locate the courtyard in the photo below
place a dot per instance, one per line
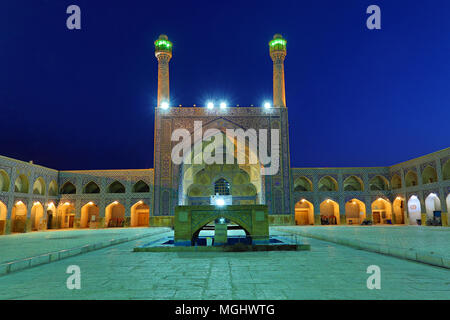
(328, 271)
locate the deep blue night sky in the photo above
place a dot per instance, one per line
(85, 99)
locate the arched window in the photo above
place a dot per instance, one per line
(222, 187)
(411, 179)
(302, 184)
(21, 184)
(327, 183)
(396, 181)
(91, 187)
(141, 186)
(353, 183)
(68, 188)
(446, 170)
(378, 183)
(116, 187)
(429, 175)
(4, 181)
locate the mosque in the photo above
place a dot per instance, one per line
(34, 198)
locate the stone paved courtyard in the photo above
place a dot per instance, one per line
(328, 271)
(436, 239)
(24, 245)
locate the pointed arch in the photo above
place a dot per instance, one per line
(411, 179)
(302, 184)
(446, 170)
(353, 183)
(141, 186)
(378, 183)
(91, 187)
(140, 214)
(429, 175)
(19, 217)
(21, 184)
(116, 187)
(414, 211)
(39, 186)
(53, 188)
(304, 213)
(381, 211)
(38, 221)
(396, 182)
(4, 181)
(355, 211)
(328, 183)
(329, 212)
(432, 204)
(114, 215)
(90, 215)
(66, 215)
(398, 209)
(68, 188)
(3, 214)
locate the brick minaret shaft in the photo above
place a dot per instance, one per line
(277, 48)
(163, 52)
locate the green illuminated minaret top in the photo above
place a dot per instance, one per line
(163, 52)
(277, 44)
(163, 45)
(277, 47)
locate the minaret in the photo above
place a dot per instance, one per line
(163, 52)
(277, 48)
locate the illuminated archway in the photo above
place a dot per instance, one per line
(328, 183)
(448, 209)
(355, 211)
(411, 179)
(51, 216)
(396, 182)
(3, 214)
(68, 188)
(381, 211)
(198, 174)
(90, 214)
(353, 183)
(21, 184)
(140, 214)
(302, 184)
(429, 175)
(66, 215)
(398, 209)
(304, 213)
(19, 217)
(38, 221)
(114, 215)
(414, 210)
(4, 181)
(329, 212)
(432, 204)
(39, 186)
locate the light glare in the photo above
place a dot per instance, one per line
(165, 105)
